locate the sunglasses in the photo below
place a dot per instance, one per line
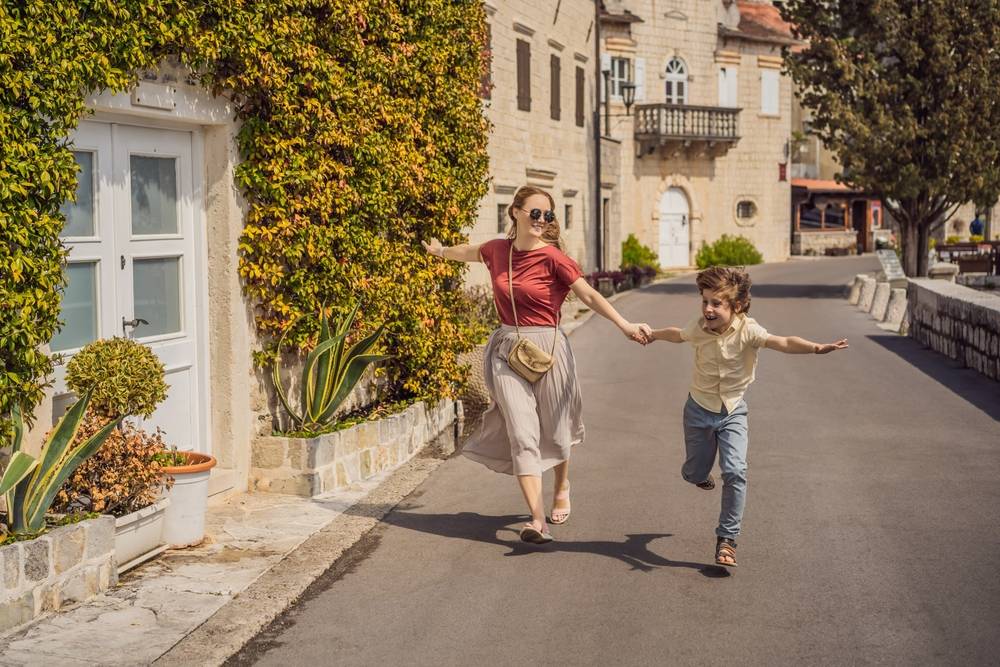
(536, 213)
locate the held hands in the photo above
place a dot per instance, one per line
(640, 333)
(434, 247)
(830, 347)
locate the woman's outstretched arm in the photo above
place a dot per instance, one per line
(591, 298)
(466, 252)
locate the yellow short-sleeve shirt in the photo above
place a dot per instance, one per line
(724, 364)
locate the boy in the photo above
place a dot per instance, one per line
(725, 344)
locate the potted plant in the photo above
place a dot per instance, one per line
(124, 478)
(188, 472)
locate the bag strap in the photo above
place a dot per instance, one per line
(513, 307)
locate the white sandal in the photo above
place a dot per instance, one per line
(534, 536)
(561, 515)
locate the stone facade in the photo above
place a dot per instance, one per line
(335, 461)
(817, 243)
(65, 565)
(957, 321)
(530, 147)
(707, 37)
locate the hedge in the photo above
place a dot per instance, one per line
(361, 133)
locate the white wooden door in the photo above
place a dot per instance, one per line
(674, 229)
(139, 276)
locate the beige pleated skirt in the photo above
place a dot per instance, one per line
(528, 428)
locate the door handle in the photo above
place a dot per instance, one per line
(132, 323)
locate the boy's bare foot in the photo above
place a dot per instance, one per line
(561, 506)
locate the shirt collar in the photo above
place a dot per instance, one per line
(734, 324)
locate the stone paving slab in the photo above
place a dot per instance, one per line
(161, 602)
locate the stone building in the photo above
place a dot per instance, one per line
(704, 149)
(540, 101)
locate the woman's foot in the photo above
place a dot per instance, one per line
(561, 506)
(725, 552)
(535, 532)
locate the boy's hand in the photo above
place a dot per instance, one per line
(830, 347)
(640, 333)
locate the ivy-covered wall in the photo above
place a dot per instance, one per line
(361, 134)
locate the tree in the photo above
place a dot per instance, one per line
(904, 92)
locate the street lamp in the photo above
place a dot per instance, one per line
(628, 95)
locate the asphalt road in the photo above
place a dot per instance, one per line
(871, 534)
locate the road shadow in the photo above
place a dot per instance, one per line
(761, 291)
(975, 388)
(634, 550)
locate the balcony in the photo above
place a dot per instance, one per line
(680, 128)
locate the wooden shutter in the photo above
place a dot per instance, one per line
(580, 78)
(555, 95)
(523, 75)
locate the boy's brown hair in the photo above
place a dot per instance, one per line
(729, 283)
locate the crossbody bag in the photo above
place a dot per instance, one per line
(525, 358)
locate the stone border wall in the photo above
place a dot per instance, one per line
(335, 461)
(65, 565)
(957, 321)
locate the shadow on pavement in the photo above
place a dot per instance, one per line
(977, 389)
(762, 290)
(633, 551)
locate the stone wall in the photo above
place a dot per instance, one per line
(65, 565)
(816, 243)
(957, 321)
(335, 461)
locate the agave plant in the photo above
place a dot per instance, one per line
(330, 372)
(29, 484)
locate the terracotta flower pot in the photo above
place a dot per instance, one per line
(184, 525)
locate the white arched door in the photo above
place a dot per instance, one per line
(675, 231)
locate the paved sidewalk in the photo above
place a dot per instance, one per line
(159, 603)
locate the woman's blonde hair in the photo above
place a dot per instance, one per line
(551, 233)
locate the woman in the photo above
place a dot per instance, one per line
(530, 427)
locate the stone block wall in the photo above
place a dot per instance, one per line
(957, 321)
(335, 461)
(65, 565)
(816, 243)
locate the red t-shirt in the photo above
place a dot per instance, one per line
(541, 281)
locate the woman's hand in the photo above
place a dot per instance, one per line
(434, 247)
(640, 333)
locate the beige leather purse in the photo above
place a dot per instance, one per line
(525, 358)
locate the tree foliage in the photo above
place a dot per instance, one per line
(361, 133)
(904, 93)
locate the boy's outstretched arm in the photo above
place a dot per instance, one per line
(669, 334)
(796, 345)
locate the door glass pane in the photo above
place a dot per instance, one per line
(156, 290)
(80, 214)
(79, 307)
(154, 195)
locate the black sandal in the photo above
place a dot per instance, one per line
(725, 548)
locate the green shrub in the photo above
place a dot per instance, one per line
(122, 376)
(634, 254)
(728, 251)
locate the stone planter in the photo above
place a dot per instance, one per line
(605, 286)
(139, 535)
(184, 525)
(335, 461)
(65, 565)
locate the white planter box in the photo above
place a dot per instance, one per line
(139, 535)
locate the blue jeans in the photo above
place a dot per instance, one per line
(727, 433)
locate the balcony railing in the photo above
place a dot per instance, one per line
(684, 125)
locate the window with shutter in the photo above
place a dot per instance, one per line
(676, 82)
(523, 75)
(579, 96)
(555, 94)
(728, 91)
(769, 92)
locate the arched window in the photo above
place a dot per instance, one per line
(677, 77)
